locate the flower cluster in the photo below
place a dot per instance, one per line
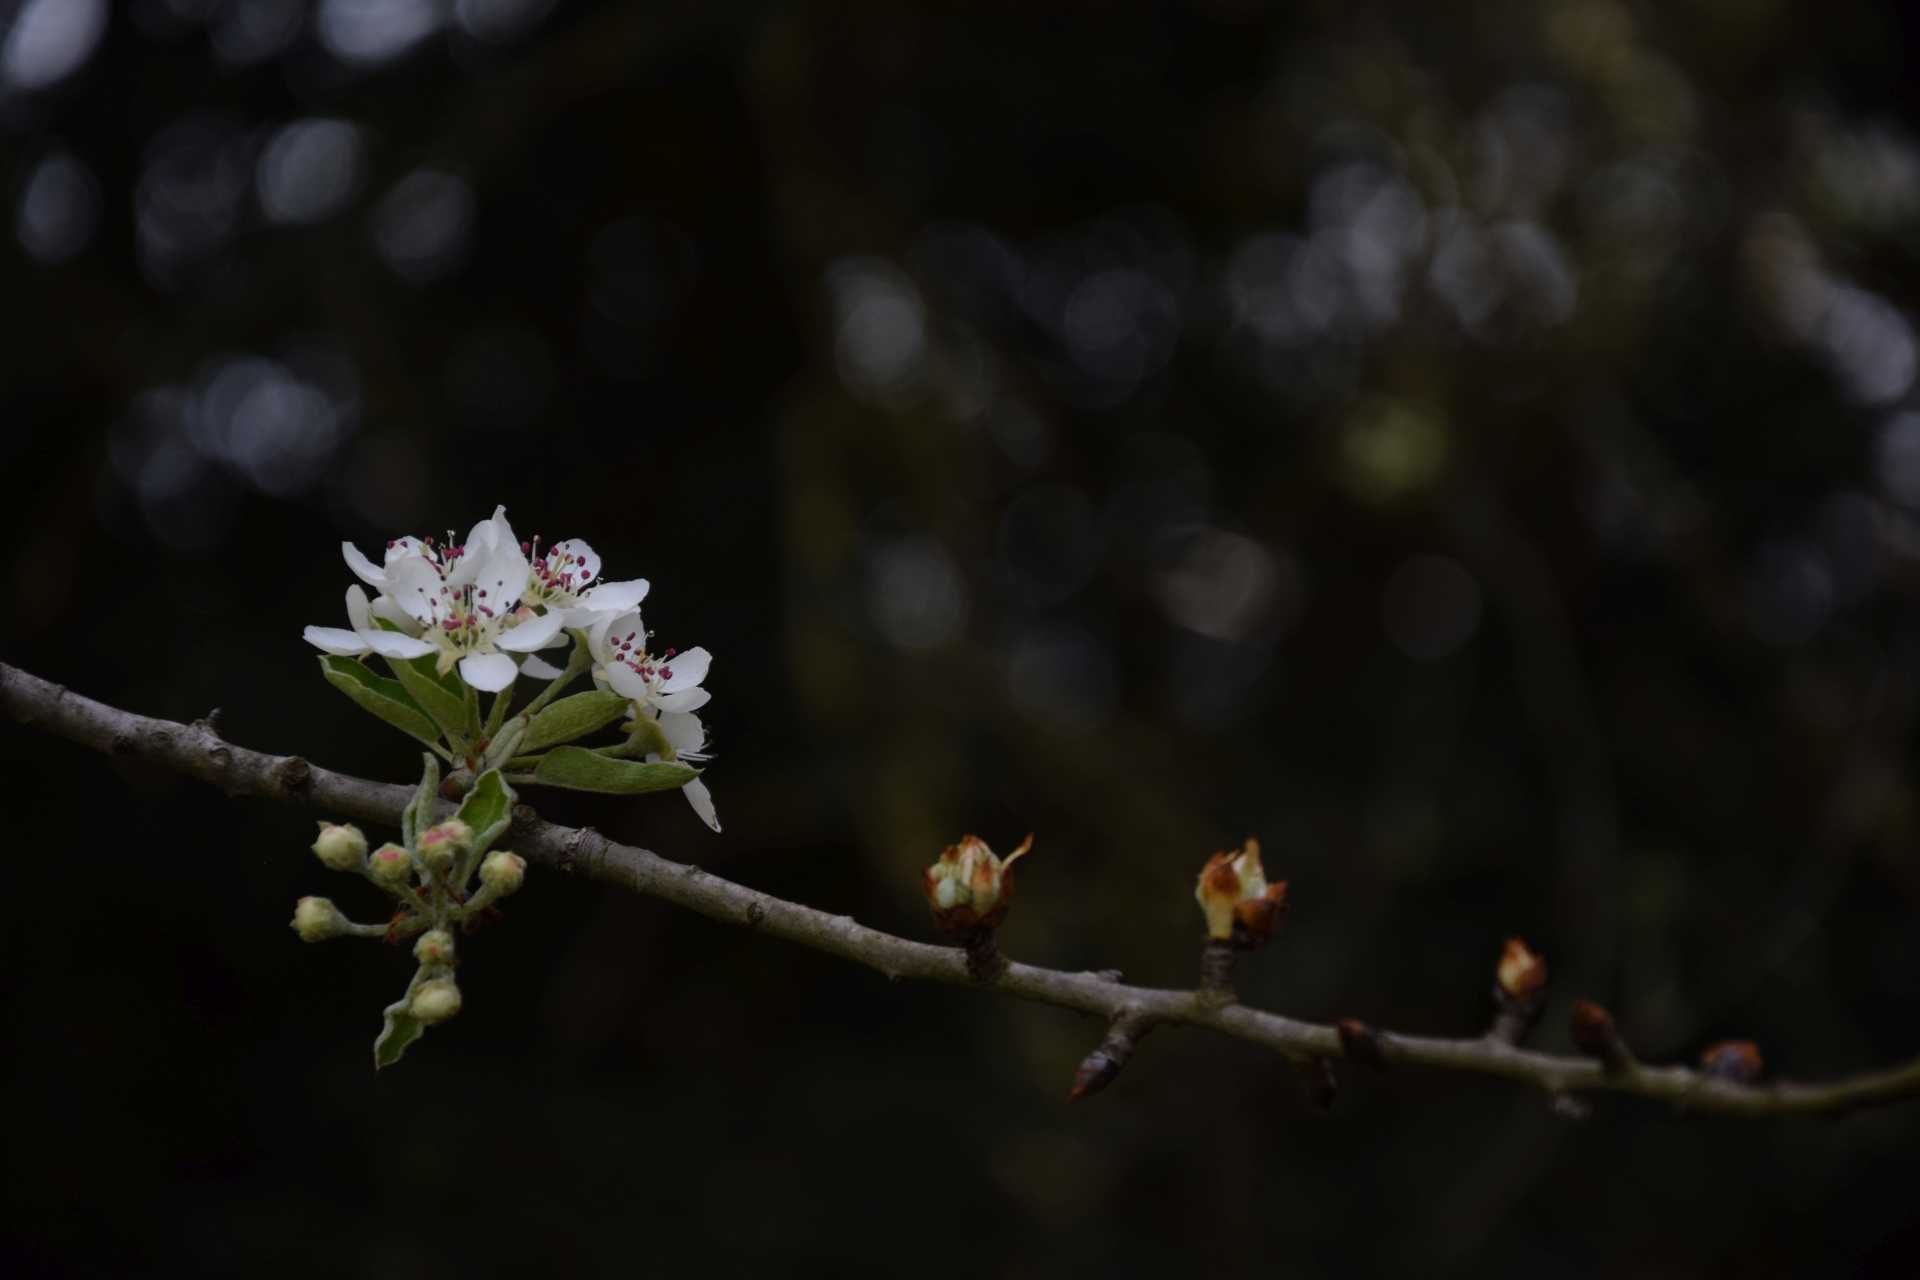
(454, 617)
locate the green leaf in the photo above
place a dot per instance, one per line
(573, 717)
(584, 770)
(419, 811)
(488, 809)
(385, 698)
(447, 706)
(401, 1030)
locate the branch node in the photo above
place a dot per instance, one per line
(1216, 972)
(293, 775)
(984, 961)
(1361, 1043)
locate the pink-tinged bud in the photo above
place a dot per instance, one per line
(341, 848)
(503, 872)
(435, 1001)
(1736, 1060)
(435, 947)
(441, 843)
(1522, 975)
(389, 864)
(317, 919)
(969, 888)
(1234, 895)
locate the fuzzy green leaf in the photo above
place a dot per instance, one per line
(447, 706)
(400, 1030)
(418, 815)
(583, 770)
(385, 698)
(488, 809)
(573, 717)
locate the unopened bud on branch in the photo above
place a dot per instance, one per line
(503, 872)
(389, 864)
(341, 848)
(1597, 1037)
(317, 919)
(1519, 991)
(1239, 904)
(969, 888)
(435, 947)
(1736, 1060)
(441, 843)
(435, 1001)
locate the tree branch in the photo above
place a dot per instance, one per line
(198, 751)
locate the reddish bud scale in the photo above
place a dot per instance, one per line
(1521, 973)
(1735, 1060)
(1597, 1037)
(1097, 1070)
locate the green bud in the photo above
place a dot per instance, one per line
(317, 919)
(503, 872)
(435, 1001)
(389, 864)
(340, 847)
(434, 947)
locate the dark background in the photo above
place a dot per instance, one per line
(1471, 447)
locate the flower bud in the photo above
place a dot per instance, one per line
(340, 847)
(389, 864)
(968, 888)
(1522, 975)
(434, 947)
(435, 1001)
(503, 872)
(317, 919)
(442, 843)
(1238, 902)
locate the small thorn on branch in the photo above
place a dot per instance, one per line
(1597, 1037)
(1099, 1068)
(1361, 1043)
(1519, 992)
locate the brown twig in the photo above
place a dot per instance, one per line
(197, 751)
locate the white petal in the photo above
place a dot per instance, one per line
(685, 700)
(532, 634)
(586, 561)
(539, 668)
(688, 668)
(683, 731)
(416, 587)
(402, 548)
(334, 640)
(626, 682)
(612, 626)
(357, 612)
(362, 567)
(387, 609)
(702, 801)
(489, 671)
(391, 644)
(501, 574)
(615, 595)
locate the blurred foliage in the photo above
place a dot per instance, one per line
(1470, 447)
